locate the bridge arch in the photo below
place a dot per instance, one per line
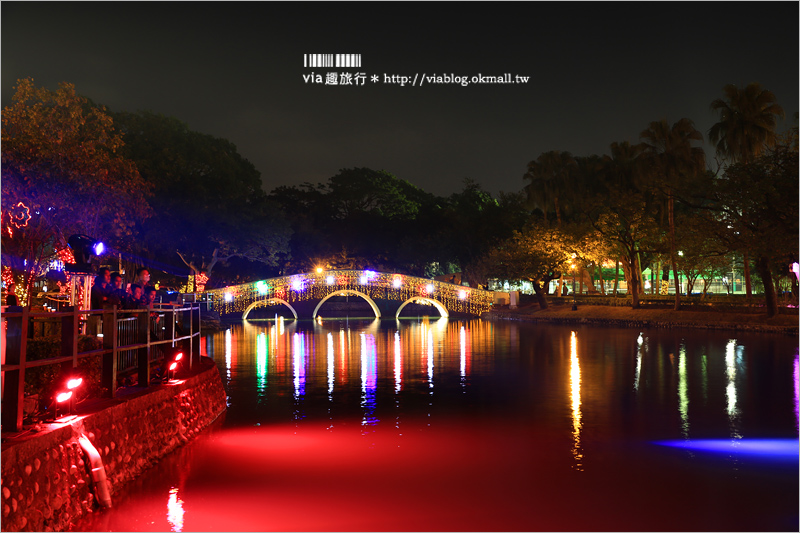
(419, 299)
(270, 301)
(348, 292)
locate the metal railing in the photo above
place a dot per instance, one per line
(132, 339)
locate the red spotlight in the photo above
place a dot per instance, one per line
(64, 397)
(74, 383)
(179, 356)
(173, 366)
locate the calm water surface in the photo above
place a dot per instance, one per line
(478, 426)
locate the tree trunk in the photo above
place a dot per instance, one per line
(616, 277)
(638, 273)
(747, 285)
(630, 267)
(602, 279)
(675, 273)
(657, 282)
(762, 265)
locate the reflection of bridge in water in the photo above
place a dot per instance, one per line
(387, 294)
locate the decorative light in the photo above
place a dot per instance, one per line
(228, 297)
(20, 214)
(370, 274)
(63, 397)
(796, 269)
(362, 280)
(429, 288)
(397, 282)
(262, 287)
(319, 270)
(330, 280)
(297, 285)
(462, 295)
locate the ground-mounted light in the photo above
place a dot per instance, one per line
(83, 248)
(62, 397)
(173, 366)
(66, 396)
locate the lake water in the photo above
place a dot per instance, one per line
(467, 425)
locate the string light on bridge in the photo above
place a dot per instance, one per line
(374, 285)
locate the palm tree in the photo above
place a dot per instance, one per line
(747, 124)
(550, 175)
(624, 171)
(673, 157)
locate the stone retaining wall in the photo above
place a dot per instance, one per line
(46, 478)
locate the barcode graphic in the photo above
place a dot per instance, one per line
(332, 60)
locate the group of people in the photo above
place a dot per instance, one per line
(109, 290)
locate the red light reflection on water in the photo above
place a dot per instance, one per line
(553, 461)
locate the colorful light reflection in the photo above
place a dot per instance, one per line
(766, 448)
(175, 510)
(575, 394)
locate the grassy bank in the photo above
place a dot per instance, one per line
(707, 318)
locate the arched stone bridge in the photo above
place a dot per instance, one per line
(386, 293)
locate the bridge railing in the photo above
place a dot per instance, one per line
(376, 285)
(131, 341)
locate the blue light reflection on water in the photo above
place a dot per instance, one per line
(781, 449)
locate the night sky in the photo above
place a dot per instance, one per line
(599, 73)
